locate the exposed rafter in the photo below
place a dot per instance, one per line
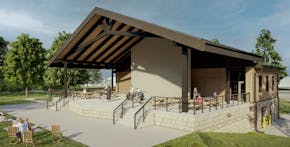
(133, 34)
(84, 37)
(103, 34)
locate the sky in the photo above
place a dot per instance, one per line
(236, 23)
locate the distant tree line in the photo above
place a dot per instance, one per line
(25, 65)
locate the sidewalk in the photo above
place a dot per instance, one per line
(91, 131)
(280, 127)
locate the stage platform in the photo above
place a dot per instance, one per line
(98, 108)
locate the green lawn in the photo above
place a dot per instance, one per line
(284, 107)
(18, 97)
(199, 139)
(43, 138)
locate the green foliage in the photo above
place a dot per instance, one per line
(215, 40)
(284, 107)
(24, 62)
(41, 139)
(54, 76)
(3, 50)
(265, 48)
(95, 75)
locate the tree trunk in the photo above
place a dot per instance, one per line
(26, 91)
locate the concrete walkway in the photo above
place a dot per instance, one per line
(91, 131)
(280, 127)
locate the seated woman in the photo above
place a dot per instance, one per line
(199, 99)
(26, 125)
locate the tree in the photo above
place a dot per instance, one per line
(54, 76)
(24, 62)
(95, 75)
(3, 50)
(265, 48)
(215, 40)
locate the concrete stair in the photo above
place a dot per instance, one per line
(128, 118)
(242, 126)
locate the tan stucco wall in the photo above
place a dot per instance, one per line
(252, 76)
(208, 80)
(272, 93)
(250, 82)
(156, 67)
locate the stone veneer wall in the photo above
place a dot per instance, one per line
(271, 106)
(91, 112)
(232, 119)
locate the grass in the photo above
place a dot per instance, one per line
(284, 107)
(19, 97)
(42, 138)
(208, 139)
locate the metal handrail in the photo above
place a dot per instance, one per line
(56, 103)
(142, 107)
(117, 108)
(64, 102)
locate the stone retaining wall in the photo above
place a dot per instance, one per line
(91, 112)
(233, 119)
(271, 106)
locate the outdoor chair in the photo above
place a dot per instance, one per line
(12, 135)
(157, 102)
(28, 138)
(191, 106)
(56, 132)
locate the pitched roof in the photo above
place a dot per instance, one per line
(105, 37)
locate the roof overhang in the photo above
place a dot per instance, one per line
(105, 37)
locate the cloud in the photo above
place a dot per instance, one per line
(22, 21)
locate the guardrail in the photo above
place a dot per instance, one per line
(210, 103)
(142, 108)
(61, 102)
(118, 108)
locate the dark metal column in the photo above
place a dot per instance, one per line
(184, 79)
(65, 79)
(228, 82)
(112, 78)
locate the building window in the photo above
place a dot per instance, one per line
(273, 83)
(260, 83)
(267, 83)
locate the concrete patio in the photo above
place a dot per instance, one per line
(92, 131)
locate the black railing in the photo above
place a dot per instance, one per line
(207, 103)
(158, 101)
(119, 107)
(61, 102)
(142, 108)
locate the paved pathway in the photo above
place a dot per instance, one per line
(280, 127)
(91, 131)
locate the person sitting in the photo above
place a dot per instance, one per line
(215, 96)
(1, 116)
(26, 125)
(18, 125)
(195, 93)
(199, 99)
